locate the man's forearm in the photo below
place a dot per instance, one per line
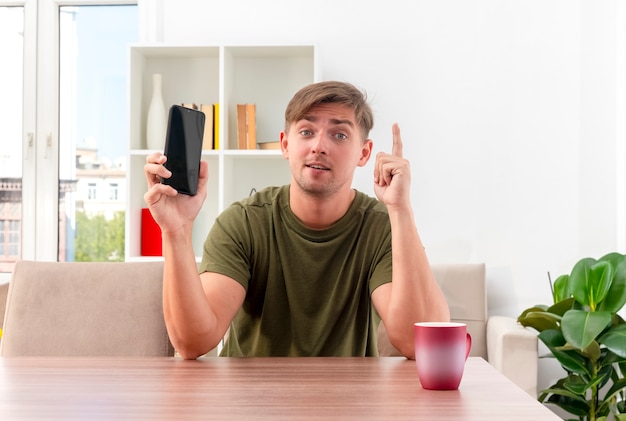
(187, 315)
(415, 295)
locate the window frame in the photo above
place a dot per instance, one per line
(40, 125)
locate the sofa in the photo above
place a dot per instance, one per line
(504, 343)
(115, 309)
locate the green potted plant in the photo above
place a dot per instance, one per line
(583, 331)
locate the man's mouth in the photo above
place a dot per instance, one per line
(318, 167)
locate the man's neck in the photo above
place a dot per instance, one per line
(319, 212)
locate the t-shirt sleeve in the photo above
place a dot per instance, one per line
(227, 247)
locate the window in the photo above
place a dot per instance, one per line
(14, 238)
(63, 119)
(91, 191)
(93, 127)
(113, 192)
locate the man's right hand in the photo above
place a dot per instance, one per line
(172, 211)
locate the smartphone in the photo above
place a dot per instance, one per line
(183, 148)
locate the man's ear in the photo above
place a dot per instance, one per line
(366, 152)
(284, 144)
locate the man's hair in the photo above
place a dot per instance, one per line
(331, 92)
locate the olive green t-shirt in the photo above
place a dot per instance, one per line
(307, 291)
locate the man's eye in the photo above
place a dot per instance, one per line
(306, 132)
(341, 136)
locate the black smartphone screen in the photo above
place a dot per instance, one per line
(183, 148)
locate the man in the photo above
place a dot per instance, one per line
(294, 270)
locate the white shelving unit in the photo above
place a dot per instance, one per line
(267, 76)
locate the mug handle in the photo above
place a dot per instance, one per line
(468, 345)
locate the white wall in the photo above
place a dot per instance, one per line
(512, 114)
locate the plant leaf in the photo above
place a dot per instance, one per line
(570, 360)
(537, 307)
(579, 279)
(616, 296)
(615, 340)
(570, 402)
(562, 306)
(613, 258)
(575, 384)
(592, 351)
(590, 281)
(602, 273)
(540, 320)
(561, 288)
(523, 317)
(609, 358)
(606, 373)
(580, 328)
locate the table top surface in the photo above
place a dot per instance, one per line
(252, 388)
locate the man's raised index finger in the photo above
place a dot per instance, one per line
(396, 149)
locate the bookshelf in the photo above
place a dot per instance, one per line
(266, 76)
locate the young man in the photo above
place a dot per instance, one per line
(294, 270)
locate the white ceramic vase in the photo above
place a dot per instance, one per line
(156, 122)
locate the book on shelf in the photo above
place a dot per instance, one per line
(269, 145)
(216, 126)
(242, 127)
(207, 138)
(191, 105)
(251, 119)
(150, 235)
(246, 126)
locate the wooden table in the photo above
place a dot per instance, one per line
(252, 388)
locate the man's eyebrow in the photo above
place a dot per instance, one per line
(335, 121)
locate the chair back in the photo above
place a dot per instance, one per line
(464, 288)
(4, 291)
(85, 309)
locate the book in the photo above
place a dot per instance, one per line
(246, 126)
(191, 105)
(269, 145)
(207, 138)
(150, 235)
(242, 127)
(251, 125)
(216, 126)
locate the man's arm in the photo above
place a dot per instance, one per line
(197, 308)
(413, 295)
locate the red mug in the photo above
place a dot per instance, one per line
(441, 349)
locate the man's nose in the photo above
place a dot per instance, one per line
(319, 143)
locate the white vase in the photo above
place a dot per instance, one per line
(156, 123)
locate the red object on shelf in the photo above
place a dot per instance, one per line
(150, 235)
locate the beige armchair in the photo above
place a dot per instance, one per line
(85, 309)
(503, 342)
